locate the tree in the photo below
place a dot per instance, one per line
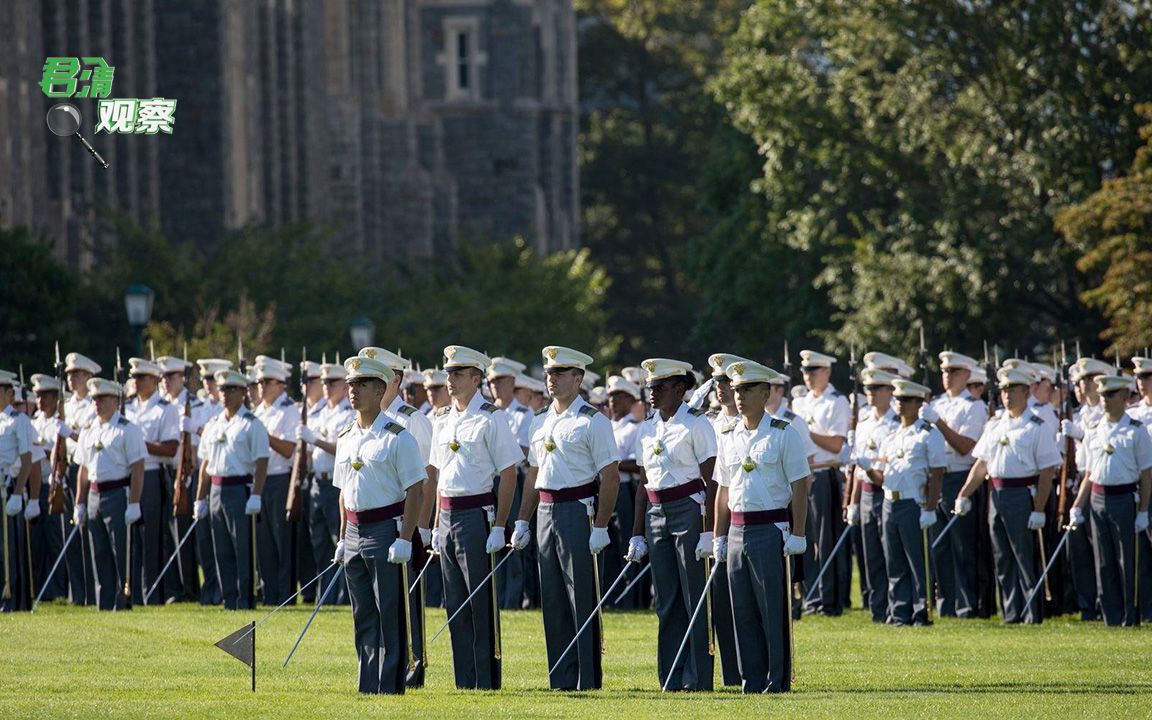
(37, 294)
(1113, 227)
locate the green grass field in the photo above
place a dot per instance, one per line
(160, 662)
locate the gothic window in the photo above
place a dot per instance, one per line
(462, 58)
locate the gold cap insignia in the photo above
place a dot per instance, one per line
(369, 353)
(738, 368)
(649, 365)
(355, 363)
(449, 352)
(550, 352)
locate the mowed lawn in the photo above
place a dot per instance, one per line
(160, 662)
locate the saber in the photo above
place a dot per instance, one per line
(272, 612)
(71, 537)
(128, 567)
(944, 532)
(691, 622)
(312, 617)
(420, 575)
(479, 587)
(791, 642)
(1044, 560)
(635, 580)
(407, 612)
(4, 530)
(595, 614)
(171, 559)
(929, 600)
(1051, 562)
(827, 564)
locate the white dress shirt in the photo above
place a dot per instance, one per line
(908, 454)
(1017, 447)
(414, 422)
(826, 414)
(471, 447)
(159, 420)
(327, 423)
(231, 446)
(671, 452)
(759, 466)
(965, 415)
(1118, 452)
(581, 443)
(108, 449)
(280, 418)
(376, 465)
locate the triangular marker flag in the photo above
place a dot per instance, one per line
(243, 651)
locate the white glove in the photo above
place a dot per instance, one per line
(521, 535)
(80, 515)
(338, 557)
(720, 548)
(15, 504)
(305, 433)
(795, 545)
(1141, 521)
(863, 462)
(400, 552)
(1035, 520)
(495, 540)
(851, 439)
(186, 425)
(701, 394)
(853, 514)
(254, 505)
(637, 549)
(929, 415)
(963, 505)
(927, 518)
(1076, 518)
(132, 513)
(425, 536)
(704, 546)
(437, 540)
(65, 430)
(201, 510)
(598, 540)
(1071, 429)
(33, 511)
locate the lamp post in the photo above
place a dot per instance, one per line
(138, 303)
(363, 332)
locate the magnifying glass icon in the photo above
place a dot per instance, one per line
(64, 120)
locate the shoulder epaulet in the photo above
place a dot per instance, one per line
(1037, 419)
(789, 415)
(123, 420)
(394, 428)
(521, 408)
(197, 403)
(248, 415)
(542, 410)
(696, 412)
(444, 410)
(1135, 422)
(345, 430)
(589, 411)
(925, 426)
(286, 402)
(162, 401)
(835, 393)
(973, 398)
(779, 423)
(488, 407)
(713, 414)
(407, 410)
(727, 429)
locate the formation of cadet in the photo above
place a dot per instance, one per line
(729, 504)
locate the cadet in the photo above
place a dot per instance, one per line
(324, 426)
(208, 408)
(867, 507)
(1019, 455)
(472, 444)
(16, 450)
(159, 421)
(761, 509)
(502, 374)
(280, 417)
(79, 413)
(111, 458)
(1142, 411)
(1119, 459)
(436, 388)
(48, 535)
(621, 396)
(828, 416)
(234, 448)
(960, 418)
(910, 466)
(572, 444)
(380, 476)
(181, 581)
(676, 449)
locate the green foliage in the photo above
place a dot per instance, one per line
(36, 295)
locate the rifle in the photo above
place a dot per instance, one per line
(186, 468)
(296, 485)
(252, 520)
(993, 383)
(854, 403)
(1068, 467)
(925, 380)
(59, 475)
(116, 378)
(787, 366)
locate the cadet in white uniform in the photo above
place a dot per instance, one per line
(1142, 411)
(203, 411)
(79, 413)
(502, 374)
(16, 436)
(51, 532)
(621, 396)
(280, 417)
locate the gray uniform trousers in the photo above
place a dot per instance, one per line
(463, 564)
(510, 577)
(232, 544)
(375, 588)
(206, 559)
(1114, 540)
(620, 532)
(180, 581)
(1081, 564)
(78, 560)
(824, 518)
(109, 538)
(1144, 567)
(759, 607)
(724, 629)
(1013, 547)
(904, 559)
(48, 535)
(568, 594)
(872, 543)
(954, 559)
(17, 557)
(678, 578)
(324, 529)
(274, 542)
(148, 538)
(305, 568)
